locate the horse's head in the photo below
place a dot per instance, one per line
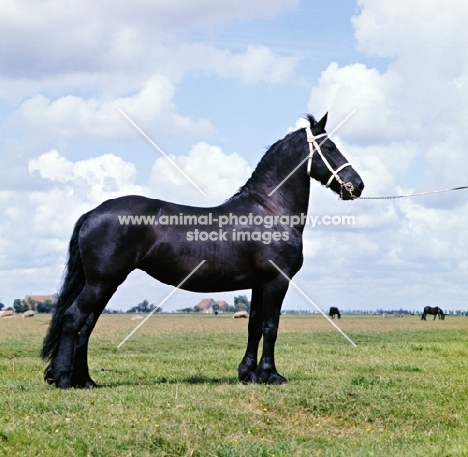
(327, 165)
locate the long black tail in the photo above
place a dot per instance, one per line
(72, 285)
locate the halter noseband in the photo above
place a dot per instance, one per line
(314, 146)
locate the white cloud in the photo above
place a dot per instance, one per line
(257, 64)
(98, 37)
(356, 87)
(394, 30)
(93, 179)
(218, 174)
(53, 166)
(73, 117)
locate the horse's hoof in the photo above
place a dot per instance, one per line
(273, 379)
(62, 381)
(88, 384)
(248, 377)
(63, 384)
(247, 371)
(277, 380)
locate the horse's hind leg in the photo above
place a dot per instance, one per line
(79, 317)
(80, 373)
(248, 366)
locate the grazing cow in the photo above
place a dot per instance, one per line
(8, 313)
(396, 315)
(29, 313)
(436, 311)
(334, 311)
(240, 314)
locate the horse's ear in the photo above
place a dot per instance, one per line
(322, 122)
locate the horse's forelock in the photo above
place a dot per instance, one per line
(311, 119)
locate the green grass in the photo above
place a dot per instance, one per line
(172, 390)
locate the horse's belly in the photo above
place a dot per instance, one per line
(204, 279)
(197, 270)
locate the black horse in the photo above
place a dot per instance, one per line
(238, 252)
(334, 311)
(436, 311)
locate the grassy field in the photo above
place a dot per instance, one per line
(172, 390)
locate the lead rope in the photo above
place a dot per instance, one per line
(413, 195)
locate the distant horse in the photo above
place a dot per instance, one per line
(334, 311)
(436, 311)
(241, 254)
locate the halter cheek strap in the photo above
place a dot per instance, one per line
(314, 146)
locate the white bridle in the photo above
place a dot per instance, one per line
(314, 146)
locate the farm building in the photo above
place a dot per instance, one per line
(223, 306)
(208, 305)
(33, 300)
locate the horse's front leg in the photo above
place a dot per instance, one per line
(248, 366)
(273, 295)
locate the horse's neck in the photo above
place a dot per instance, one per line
(274, 185)
(291, 198)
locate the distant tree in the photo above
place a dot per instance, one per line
(241, 303)
(144, 307)
(45, 307)
(1, 306)
(19, 307)
(185, 310)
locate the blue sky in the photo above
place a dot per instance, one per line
(214, 88)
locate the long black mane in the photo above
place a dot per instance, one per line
(269, 161)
